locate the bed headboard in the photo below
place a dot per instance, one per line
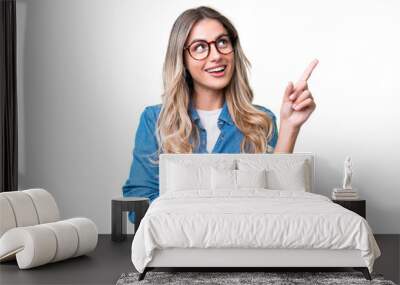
(205, 159)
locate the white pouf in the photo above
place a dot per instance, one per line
(31, 231)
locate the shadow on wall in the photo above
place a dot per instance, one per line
(21, 10)
(35, 155)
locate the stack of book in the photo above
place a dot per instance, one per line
(344, 194)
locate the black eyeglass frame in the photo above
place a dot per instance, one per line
(209, 46)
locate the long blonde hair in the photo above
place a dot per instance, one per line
(175, 128)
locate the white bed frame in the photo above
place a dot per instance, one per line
(250, 257)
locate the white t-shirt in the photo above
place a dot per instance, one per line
(209, 120)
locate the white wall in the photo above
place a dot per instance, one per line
(88, 68)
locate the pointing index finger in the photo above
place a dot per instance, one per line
(307, 73)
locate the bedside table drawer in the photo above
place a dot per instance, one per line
(357, 206)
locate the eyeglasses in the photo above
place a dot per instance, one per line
(200, 49)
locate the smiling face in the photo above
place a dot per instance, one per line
(203, 78)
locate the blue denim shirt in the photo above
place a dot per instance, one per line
(143, 180)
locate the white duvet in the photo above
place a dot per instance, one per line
(251, 218)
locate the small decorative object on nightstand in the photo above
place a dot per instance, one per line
(357, 206)
(347, 192)
(348, 173)
(118, 218)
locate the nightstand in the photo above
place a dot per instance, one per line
(119, 206)
(357, 206)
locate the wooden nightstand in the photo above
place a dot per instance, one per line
(357, 206)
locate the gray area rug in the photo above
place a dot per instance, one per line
(229, 278)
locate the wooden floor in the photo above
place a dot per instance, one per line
(111, 259)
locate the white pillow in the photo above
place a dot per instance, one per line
(181, 177)
(223, 179)
(227, 179)
(293, 178)
(251, 178)
(185, 175)
(282, 174)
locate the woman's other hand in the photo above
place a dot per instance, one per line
(298, 103)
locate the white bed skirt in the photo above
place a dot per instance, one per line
(236, 257)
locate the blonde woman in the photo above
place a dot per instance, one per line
(207, 103)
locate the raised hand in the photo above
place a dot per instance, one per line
(298, 103)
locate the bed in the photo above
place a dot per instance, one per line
(248, 210)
